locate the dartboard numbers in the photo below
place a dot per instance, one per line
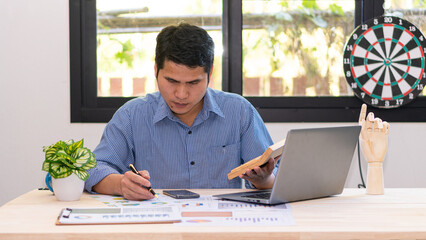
(384, 62)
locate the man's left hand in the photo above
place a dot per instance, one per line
(262, 177)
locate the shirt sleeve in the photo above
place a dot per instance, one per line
(115, 150)
(255, 138)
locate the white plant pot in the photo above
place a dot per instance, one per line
(69, 188)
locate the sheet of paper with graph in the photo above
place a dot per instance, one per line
(210, 211)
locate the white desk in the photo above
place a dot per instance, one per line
(398, 214)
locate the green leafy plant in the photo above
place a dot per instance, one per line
(66, 157)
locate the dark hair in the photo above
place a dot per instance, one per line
(184, 44)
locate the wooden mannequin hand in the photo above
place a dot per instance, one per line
(373, 136)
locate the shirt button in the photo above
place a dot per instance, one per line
(192, 163)
(189, 132)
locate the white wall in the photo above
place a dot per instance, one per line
(34, 91)
(35, 103)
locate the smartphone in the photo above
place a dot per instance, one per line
(181, 194)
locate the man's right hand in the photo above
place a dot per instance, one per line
(132, 186)
(128, 185)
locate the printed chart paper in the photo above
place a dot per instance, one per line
(113, 215)
(210, 211)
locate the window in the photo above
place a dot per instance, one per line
(284, 43)
(284, 56)
(126, 38)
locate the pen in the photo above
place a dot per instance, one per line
(137, 173)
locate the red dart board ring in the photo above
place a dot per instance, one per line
(384, 62)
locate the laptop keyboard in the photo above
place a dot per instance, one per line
(259, 195)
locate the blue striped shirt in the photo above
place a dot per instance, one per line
(226, 133)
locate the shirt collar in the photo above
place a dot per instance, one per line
(163, 110)
(210, 105)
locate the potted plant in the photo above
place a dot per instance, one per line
(67, 163)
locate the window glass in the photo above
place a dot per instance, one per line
(126, 39)
(295, 47)
(412, 11)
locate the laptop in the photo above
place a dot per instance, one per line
(314, 164)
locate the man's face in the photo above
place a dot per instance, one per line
(183, 88)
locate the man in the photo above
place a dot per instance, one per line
(184, 136)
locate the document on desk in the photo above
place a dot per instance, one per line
(243, 218)
(79, 216)
(210, 211)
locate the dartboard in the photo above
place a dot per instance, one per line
(384, 62)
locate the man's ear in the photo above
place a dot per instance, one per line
(155, 70)
(210, 73)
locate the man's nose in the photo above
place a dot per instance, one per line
(181, 91)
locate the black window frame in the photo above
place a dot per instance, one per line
(86, 106)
